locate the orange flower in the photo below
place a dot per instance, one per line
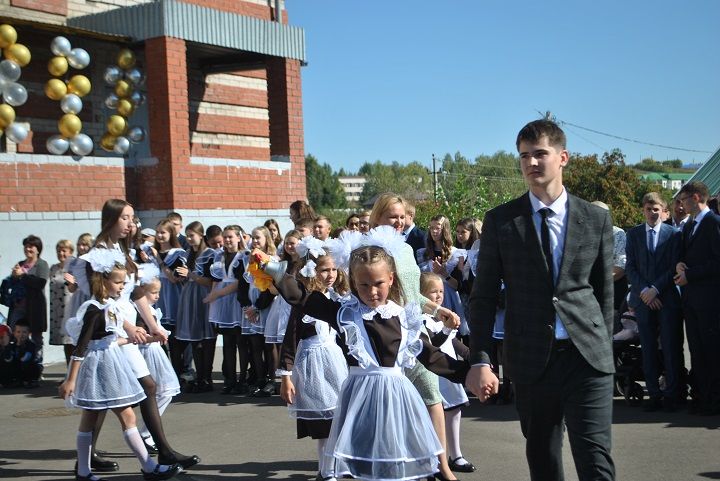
(261, 280)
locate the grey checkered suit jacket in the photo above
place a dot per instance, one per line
(510, 252)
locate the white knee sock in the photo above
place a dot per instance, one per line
(452, 433)
(326, 466)
(134, 441)
(84, 448)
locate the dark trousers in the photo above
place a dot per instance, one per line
(231, 345)
(569, 390)
(667, 324)
(703, 333)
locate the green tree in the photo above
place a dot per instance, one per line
(608, 180)
(412, 180)
(323, 187)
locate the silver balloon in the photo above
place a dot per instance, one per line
(78, 58)
(57, 145)
(71, 104)
(81, 144)
(137, 98)
(60, 46)
(135, 77)
(9, 70)
(16, 132)
(111, 101)
(122, 145)
(136, 134)
(15, 94)
(112, 75)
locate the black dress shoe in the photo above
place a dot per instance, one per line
(467, 467)
(157, 475)
(183, 461)
(102, 465)
(151, 448)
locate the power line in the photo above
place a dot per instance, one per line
(564, 122)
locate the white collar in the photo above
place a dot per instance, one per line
(657, 227)
(386, 311)
(559, 206)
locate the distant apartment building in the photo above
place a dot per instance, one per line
(353, 187)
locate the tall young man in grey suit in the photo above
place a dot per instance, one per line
(554, 254)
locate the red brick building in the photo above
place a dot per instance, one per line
(223, 117)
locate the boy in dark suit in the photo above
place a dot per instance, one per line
(653, 249)
(554, 254)
(698, 274)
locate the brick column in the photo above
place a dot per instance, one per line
(286, 121)
(169, 123)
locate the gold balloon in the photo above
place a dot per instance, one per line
(126, 59)
(7, 115)
(79, 85)
(108, 142)
(55, 89)
(69, 125)
(125, 107)
(8, 35)
(123, 89)
(57, 66)
(116, 125)
(18, 53)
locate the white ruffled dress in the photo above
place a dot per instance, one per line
(381, 429)
(319, 372)
(105, 380)
(277, 321)
(160, 366)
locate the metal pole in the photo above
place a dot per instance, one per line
(435, 187)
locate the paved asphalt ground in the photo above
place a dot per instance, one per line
(247, 439)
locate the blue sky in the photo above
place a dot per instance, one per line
(399, 80)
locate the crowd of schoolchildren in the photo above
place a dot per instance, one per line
(325, 318)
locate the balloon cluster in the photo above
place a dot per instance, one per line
(69, 93)
(16, 56)
(125, 79)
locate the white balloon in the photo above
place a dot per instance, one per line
(81, 144)
(16, 132)
(9, 70)
(111, 101)
(78, 58)
(71, 104)
(137, 98)
(135, 77)
(15, 94)
(57, 144)
(136, 134)
(112, 75)
(60, 46)
(122, 145)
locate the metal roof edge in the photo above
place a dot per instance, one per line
(173, 18)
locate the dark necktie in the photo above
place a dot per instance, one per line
(545, 239)
(692, 228)
(651, 241)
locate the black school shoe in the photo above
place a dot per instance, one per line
(103, 465)
(468, 467)
(157, 475)
(184, 462)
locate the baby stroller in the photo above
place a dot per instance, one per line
(628, 361)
